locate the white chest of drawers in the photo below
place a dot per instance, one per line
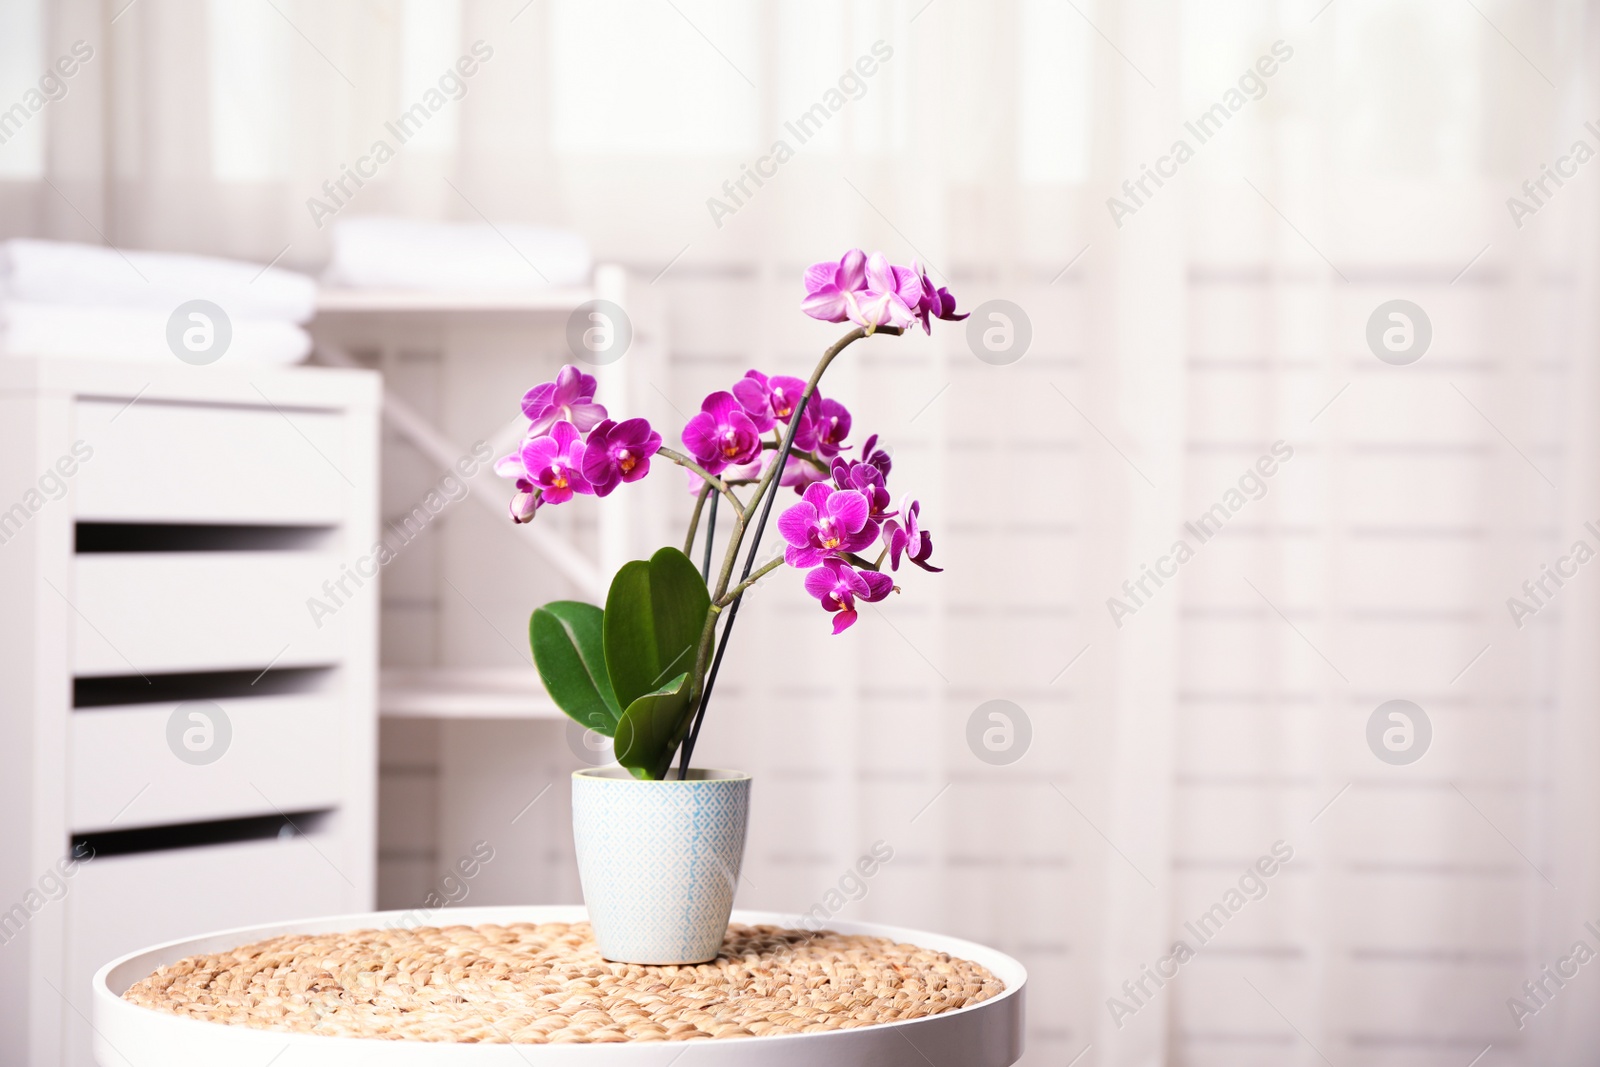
(187, 665)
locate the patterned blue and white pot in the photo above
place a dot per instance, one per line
(659, 861)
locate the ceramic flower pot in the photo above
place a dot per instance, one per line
(659, 861)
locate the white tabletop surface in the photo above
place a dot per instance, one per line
(982, 1035)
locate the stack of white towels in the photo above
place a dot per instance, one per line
(61, 299)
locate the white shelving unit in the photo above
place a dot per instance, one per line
(472, 748)
(162, 529)
(383, 321)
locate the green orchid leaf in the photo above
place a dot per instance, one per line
(651, 728)
(655, 612)
(569, 650)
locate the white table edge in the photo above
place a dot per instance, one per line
(988, 1034)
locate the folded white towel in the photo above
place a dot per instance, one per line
(384, 253)
(28, 329)
(56, 272)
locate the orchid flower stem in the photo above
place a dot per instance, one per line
(694, 518)
(711, 533)
(761, 572)
(772, 480)
(798, 453)
(711, 479)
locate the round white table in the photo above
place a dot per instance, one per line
(983, 1035)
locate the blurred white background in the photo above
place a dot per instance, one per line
(1173, 343)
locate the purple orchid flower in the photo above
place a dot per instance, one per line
(826, 522)
(526, 501)
(783, 394)
(754, 393)
(618, 452)
(876, 456)
(831, 427)
(827, 286)
(749, 472)
(889, 298)
(838, 585)
(770, 402)
(873, 292)
(933, 301)
(554, 464)
(800, 473)
(722, 434)
(915, 543)
(570, 397)
(866, 479)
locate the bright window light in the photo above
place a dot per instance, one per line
(431, 46)
(1053, 92)
(675, 78)
(21, 65)
(249, 92)
(810, 56)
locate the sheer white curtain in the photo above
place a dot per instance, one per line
(1228, 311)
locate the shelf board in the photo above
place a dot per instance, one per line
(401, 301)
(464, 693)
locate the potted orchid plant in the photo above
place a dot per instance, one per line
(642, 668)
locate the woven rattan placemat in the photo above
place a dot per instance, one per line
(545, 982)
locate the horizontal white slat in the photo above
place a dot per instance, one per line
(277, 754)
(156, 462)
(389, 301)
(480, 693)
(140, 613)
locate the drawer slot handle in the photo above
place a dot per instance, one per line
(119, 689)
(199, 834)
(200, 537)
